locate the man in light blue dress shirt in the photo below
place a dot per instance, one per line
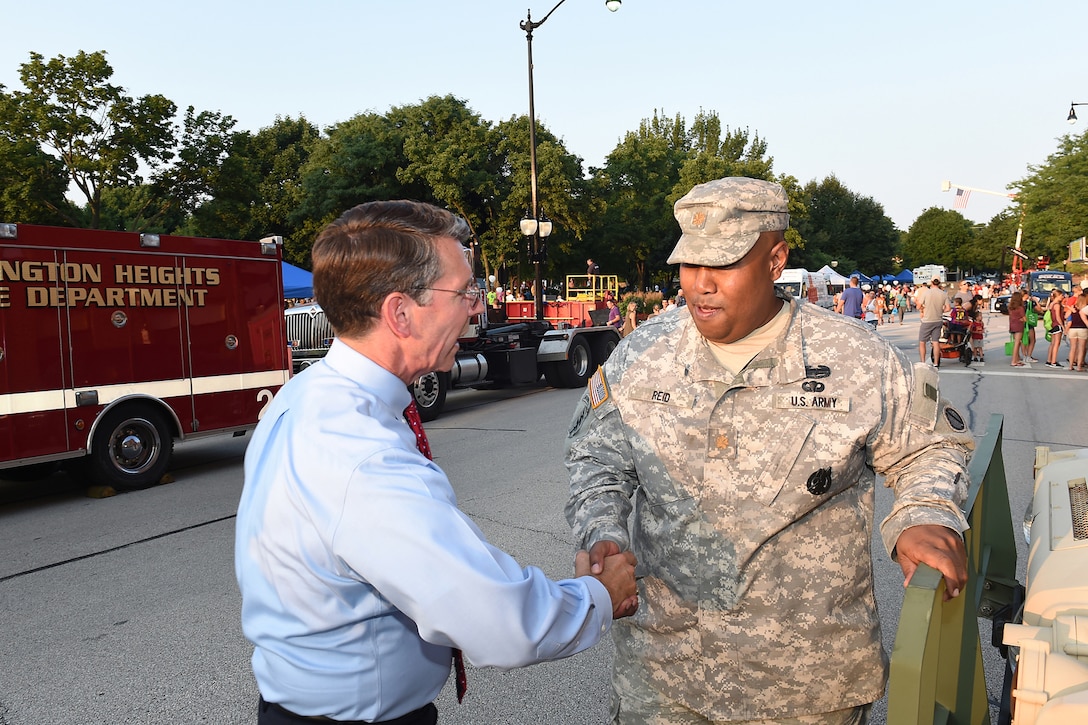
(359, 574)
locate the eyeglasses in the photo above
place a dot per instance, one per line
(471, 295)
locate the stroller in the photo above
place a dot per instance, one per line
(955, 342)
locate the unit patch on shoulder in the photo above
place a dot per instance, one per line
(955, 420)
(598, 389)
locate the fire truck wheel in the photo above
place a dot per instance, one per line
(430, 394)
(131, 448)
(576, 369)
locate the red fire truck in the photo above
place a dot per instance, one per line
(113, 344)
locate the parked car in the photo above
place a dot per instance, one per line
(1001, 304)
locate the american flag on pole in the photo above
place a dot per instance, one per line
(962, 195)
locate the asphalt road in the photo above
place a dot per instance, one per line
(125, 610)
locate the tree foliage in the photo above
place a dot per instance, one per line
(844, 226)
(1054, 199)
(100, 135)
(32, 183)
(650, 170)
(937, 237)
(637, 230)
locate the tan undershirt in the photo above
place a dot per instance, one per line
(733, 356)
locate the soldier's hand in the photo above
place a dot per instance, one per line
(938, 546)
(600, 551)
(616, 570)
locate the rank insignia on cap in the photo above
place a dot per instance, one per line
(598, 389)
(698, 219)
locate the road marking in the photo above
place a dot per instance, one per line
(1026, 372)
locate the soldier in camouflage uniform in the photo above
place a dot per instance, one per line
(743, 432)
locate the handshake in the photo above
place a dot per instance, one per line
(616, 570)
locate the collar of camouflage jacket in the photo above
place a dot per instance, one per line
(780, 363)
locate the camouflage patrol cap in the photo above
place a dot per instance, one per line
(721, 220)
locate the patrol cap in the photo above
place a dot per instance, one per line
(721, 220)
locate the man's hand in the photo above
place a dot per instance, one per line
(614, 569)
(938, 546)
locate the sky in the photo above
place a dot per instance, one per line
(890, 97)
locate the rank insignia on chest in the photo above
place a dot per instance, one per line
(812, 401)
(721, 444)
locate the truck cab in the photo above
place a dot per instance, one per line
(806, 286)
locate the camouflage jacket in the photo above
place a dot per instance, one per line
(752, 502)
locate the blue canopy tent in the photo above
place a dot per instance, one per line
(862, 279)
(297, 282)
(905, 276)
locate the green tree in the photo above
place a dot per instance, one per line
(653, 167)
(176, 192)
(256, 189)
(356, 162)
(936, 237)
(207, 140)
(640, 176)
(100, 135)
(32, 183)
(1054, 196)
(711, 156)
(987, 248)
(844, 226)
(451, 151)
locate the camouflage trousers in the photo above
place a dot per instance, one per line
(648, 708)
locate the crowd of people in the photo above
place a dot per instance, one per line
(960, 314)
(1062, 316)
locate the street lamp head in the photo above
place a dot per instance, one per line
(612, 5)
(1072, 118)
(528, 225)
(545, 225)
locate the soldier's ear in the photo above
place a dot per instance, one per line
(779, 255)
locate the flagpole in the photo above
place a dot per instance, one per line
(1017, 270)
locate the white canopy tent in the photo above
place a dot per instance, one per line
(834, 278)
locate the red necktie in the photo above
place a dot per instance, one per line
(411, 414)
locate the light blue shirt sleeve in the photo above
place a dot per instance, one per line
(409, 540)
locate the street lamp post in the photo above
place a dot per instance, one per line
(1072, 117)
(536, 225)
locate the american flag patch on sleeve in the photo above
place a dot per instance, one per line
(598, 389)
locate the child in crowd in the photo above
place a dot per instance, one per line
(978, 332)
(958, 321)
